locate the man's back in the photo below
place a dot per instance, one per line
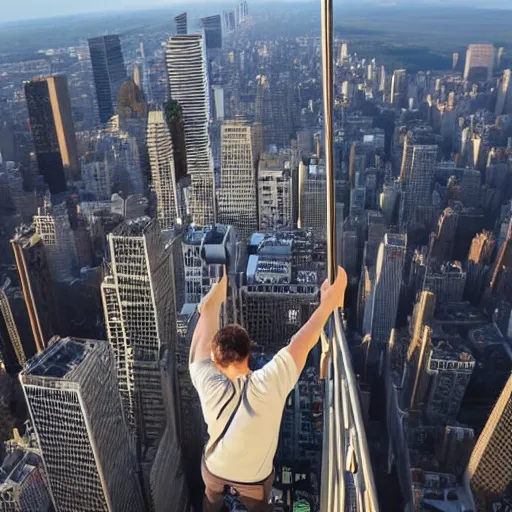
(246, 450)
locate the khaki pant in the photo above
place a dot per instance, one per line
(254, 496)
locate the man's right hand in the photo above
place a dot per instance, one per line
(333, 295)
(217, 294)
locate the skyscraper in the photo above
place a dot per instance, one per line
(446, 281)
(109, 73)
(132, 108)
(181, 24)
(138, 304)
(418, 169)
(16, 340)
(52, 225)
(74, 405)
(212, 27)
(449, 369)
(22, 483)
(470, 187)
(399, 85)
(386, 292)
(161, 159)
(479, 62)
(37, 286)
(188, 83)
(490, 465)
(504, 100)
(482, 248)
(51, 123)
(238, 204)
(275, 195)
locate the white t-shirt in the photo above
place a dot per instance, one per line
(246, 452)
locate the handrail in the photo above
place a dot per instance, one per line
(328, 88)
(355, 407)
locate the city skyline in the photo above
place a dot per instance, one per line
(146, 155)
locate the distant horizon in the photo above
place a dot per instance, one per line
(17, 13)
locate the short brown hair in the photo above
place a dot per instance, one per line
(231, 344)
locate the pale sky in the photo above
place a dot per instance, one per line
(12, 10)
(27, 9)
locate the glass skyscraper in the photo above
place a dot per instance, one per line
(109, 73)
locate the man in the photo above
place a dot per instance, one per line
(243, 409)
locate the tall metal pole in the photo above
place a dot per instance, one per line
(327, 44)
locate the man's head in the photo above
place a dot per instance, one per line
(231, 346)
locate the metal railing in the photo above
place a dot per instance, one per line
(347, 477)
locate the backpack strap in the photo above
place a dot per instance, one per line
(228, 423)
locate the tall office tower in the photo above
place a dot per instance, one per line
(8, 148)
(479, 62)
(417, 173)
(446, 281)
(263, 111)
(51, 123)
(423, 315)
(181, 24)
(455, 450)
(482, 248)
(275, 195)
(188, 83)
(470, 187)
(342, 53)
(501, 281)
(163, 174)
(357, 162)
(312, 206)
(399, 86)
(16, 341)
(109, 73)
(138, 71)
(350, 253)
(139, 307)
(212, 27)
(442, 243)
(449, 369)
(238, 202)
(37, 285)
(386, 288)
(504, 100)
(389, 202)
(455, 60)
(52, 225)
(132, 109)
(242, 12)
(23, 486)
(74, 405)
(499, 56)
(228, 18)
(376, 232)
(490, 467)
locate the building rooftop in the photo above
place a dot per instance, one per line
(213, 235)
(396, 240)
(134, 227)
(487, 336)
(458, 312)
(445, 351)
(15, 468)
(57, 360)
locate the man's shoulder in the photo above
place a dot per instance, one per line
(282, 363)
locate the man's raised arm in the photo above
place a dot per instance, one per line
(208, 323)
(331, 297)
